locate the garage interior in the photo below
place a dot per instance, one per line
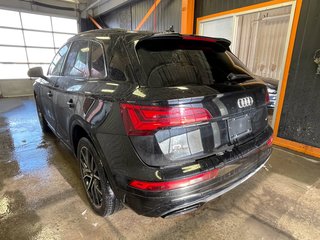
(41, 195)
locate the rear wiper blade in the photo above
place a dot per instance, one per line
(238, 76)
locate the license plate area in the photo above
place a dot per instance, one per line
(238, 127)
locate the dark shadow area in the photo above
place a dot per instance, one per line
(68, 166)
(207, 217)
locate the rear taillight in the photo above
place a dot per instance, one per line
(270, 141)
(170, 185)
(267, 98)
(144, 120)
(196, 38)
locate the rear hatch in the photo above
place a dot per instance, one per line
(195, 100)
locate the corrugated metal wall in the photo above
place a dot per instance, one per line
(168, 13)
(300, 118)
(207, 7)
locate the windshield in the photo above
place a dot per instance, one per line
(168, 63)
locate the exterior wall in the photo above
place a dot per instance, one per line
(86, 25)
(16, 87)
(207, 7)
(168, 13)
(300, 115)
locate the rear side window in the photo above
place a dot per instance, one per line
(168, 63)
(98, 66)
(119, 64)
(77, 60)
(56, 65)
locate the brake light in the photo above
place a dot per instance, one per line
(161, 186)
(267, 98)
(144, 120)
(196, 38)
(270, 141)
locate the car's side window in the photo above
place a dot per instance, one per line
(77, 60)
(56, 65)
(119, 63)
(98, 65)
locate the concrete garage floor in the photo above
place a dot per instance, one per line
(41, 196)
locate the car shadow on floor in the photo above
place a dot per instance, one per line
(237, 210)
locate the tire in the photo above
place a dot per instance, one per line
(43, 123)
(100, 195)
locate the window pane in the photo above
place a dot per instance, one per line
(44, 67)
(119, 63)
(35, 21)
(9, 19)
(38, 39)
(64, 25)
(77, 61)
(11, 71)
(97, 61)
(40, 55)
(60, 39)
(13, 54)
(57, 62)
(222, 28)
(11, 37)
(168, 64)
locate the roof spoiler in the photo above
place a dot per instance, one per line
(167, 35)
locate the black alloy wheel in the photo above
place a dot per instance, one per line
(90, 177)
(101, 197)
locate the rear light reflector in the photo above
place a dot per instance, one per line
(144, 120)
(162, 186)
(267, 97)
(270, 141)
(197, 38)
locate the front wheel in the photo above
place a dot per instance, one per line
(101, 197)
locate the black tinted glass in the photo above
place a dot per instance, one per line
(169, 63)
(119, 63)
(97, 61)
(77, 60)
(56, 65)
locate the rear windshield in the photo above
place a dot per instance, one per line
(168, 63)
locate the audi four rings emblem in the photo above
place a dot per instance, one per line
(245, 102)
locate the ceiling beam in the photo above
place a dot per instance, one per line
(105, 6)
(28, 6)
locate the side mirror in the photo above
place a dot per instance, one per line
(36, 72)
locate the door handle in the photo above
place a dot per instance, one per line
(70, 103)
(49, 94)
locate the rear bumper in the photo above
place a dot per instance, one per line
(174, 202)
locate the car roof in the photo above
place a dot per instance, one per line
(106, 34)
(130, 36)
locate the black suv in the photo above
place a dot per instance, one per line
(160, 122)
